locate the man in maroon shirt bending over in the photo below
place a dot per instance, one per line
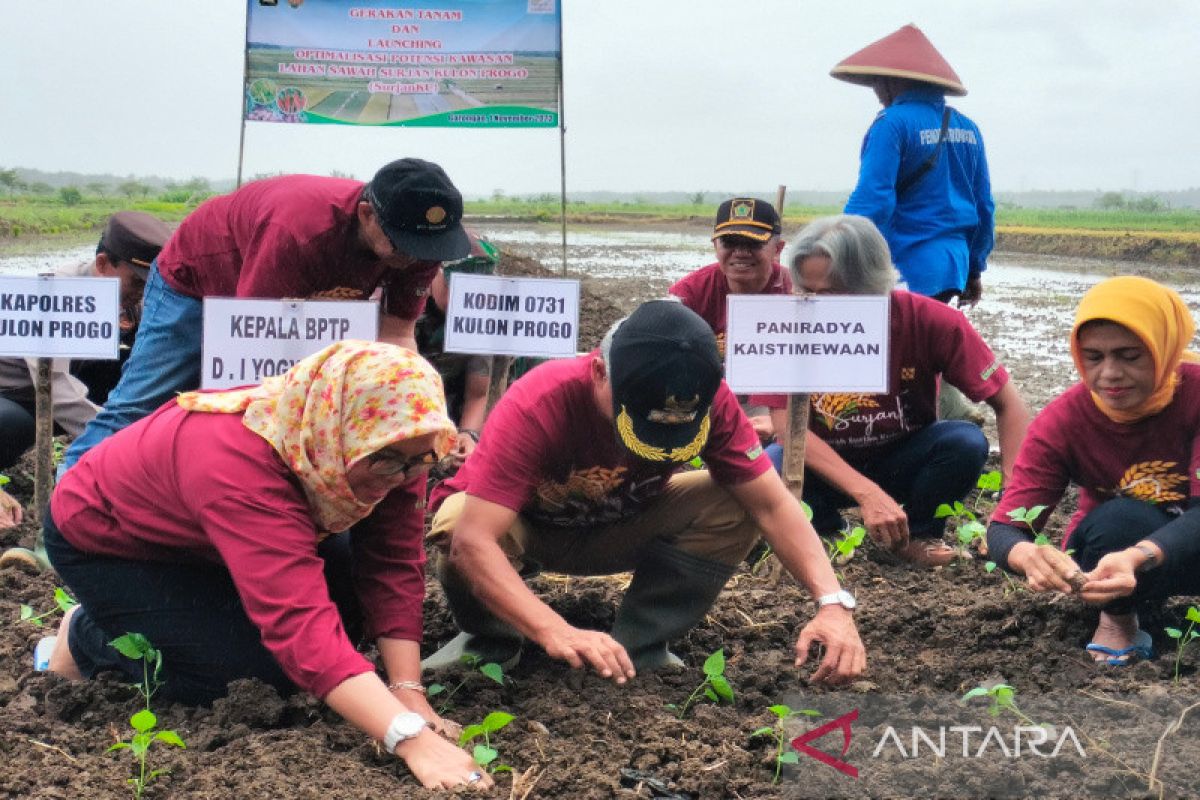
(577, 471)
(292, 236)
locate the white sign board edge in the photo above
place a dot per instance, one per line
(506, 316)
(854, 359)
(19, 329)
(246, 340)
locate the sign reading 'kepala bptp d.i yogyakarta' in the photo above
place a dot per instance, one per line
(246, 341)
(804, 343)
(512, 316)
(53, 317)
(444, 63)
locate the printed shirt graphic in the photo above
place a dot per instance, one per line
(548, 453)
(292, 236)
(927, 339)
(1071, 441)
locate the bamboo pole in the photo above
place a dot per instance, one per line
(797, 414)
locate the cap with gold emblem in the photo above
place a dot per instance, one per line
(420, 210)
(664, 369)
(747, 216)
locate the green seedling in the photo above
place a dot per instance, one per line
(1184, 637)
(62, 602)
(4, 481)
(490, 670)
(779, 735)
(1029, 517)
(58, 452)
(988, 482)
(144, 722)
(1012, 586)
(967, 528)
(484, 754)
(1001, 696)
(843, 548)
(714, 686)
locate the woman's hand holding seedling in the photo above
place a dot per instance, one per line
(417, 702)
(439, 763)
(1113, 576)
(884, 519)
(1046, 568)
(845, 657)
(583, 648)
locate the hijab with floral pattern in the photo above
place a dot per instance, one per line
(1155, 314)
(334, 408)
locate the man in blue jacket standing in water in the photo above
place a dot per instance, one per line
(924, 179)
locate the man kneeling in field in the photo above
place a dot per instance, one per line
(576, 472)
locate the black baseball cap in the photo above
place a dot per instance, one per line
(665, 370)
(747, 216)
(420, 210)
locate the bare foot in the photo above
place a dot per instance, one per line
(61, 661)
(1115, 631)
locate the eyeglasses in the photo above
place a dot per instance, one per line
(387, 462)
(741, 243)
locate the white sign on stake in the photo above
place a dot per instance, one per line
(512, 316)
(806, 343)
(247, 340)
(46, 316)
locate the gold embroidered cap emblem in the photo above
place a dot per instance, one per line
(435, 214)
(676, 412)
(742, 210)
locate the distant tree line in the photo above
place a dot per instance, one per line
(190, 191)
(1115, 201)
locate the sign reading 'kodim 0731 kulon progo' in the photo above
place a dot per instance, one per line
(436, 63)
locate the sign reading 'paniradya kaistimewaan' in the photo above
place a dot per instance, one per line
(803, 343)
(247, 340)
(437, 63)
(52, 317)
(512, 316)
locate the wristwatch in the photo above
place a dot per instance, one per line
(839, 598)
(404, 726)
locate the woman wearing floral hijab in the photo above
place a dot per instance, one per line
(1128, 435)
(208, 527)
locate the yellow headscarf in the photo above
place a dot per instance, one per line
(334, 408)
(1156, 315)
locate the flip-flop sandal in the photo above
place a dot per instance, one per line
(1142, 648)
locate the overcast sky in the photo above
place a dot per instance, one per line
(695, 95)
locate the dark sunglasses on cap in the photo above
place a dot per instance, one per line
(387, 462)
(731, 242)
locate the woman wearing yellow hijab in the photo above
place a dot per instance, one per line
(209, 527)
(1128, 435)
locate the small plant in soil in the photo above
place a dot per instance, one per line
(484, 754)
(1184, 637)
(967, 527)
(490, 670)
(778, 734)
(62, 602)
(1012, 587)
(1002, 697)
(842, 549)
(144, 722)
(1029, 516)
(714, 686)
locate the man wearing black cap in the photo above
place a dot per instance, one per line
(747, 243)
(577, 471)
(292, 236)
(130, 241)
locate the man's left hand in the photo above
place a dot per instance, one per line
(845, 657)
(464, 443)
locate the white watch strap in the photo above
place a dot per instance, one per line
(404, 726)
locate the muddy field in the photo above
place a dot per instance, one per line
(931, 637)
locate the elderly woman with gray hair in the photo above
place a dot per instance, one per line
(889, 454)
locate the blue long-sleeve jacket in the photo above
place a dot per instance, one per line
(941, 229)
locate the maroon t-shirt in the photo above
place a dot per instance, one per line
(548, 453)
(927, 339)
(193, 487)
(1071, 441)
(292, 236)
(706, 291)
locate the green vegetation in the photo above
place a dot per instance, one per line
(144, 722)
(1002, 697)
(779, 735)
(484, 754)
(714, 686)
(62, 602)
(47, 215)
(1184, 637)
(490, 670)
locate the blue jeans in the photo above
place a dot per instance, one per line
(937, 464)
(165, 361)
(191, 612)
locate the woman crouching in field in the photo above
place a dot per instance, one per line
(207, 528)
(1128, 435)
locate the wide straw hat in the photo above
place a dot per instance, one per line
(903, 54)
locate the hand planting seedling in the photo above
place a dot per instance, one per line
(1184, 637)
(843, 548)
(1001, 696)
(491, 670)
(144, 722)
(63, 602)
(714, 686)
(779, 735)
(1029, 517)
(484, 754)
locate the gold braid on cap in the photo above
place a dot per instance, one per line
(651, 453)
